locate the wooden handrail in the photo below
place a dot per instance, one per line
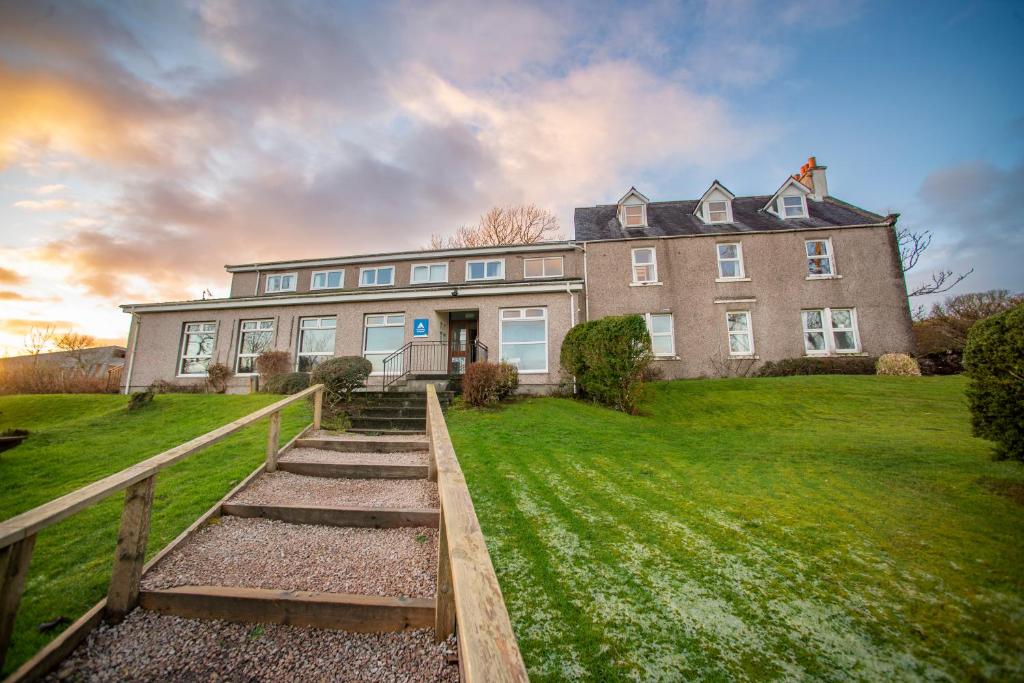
(468, 594)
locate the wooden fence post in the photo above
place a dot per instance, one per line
(273, 436)
(318, 408)
(14, 560)
(431, 455)
(130, 556)
(444, 609)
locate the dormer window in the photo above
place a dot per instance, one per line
(718, 212)
(793, 207)
(715, 205)
(632, 210)
(635, 216)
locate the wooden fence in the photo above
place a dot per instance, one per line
(468, 595)
(18, 534)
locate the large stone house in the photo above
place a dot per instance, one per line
(724, 282)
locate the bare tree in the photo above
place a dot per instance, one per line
(503, 226)
(912, 245)
(76, 344)
(39, 339)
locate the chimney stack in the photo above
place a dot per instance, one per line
(813, 177)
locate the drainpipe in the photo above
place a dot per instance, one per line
(136, 322)
(586, 289)
(256, 292)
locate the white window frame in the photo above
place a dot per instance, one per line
(749, 332)
(643, 215)
(544, 268)
(241, 333)
(270, 277)
(386, 323)
(428, 266)
(327, 274)
(376, 276)
(829, 256)
(742, 272)
(185, 332)
(727, 211)
(803, 206)
(522, 312)
(499, 276)
(828, 332)
(653, 265)
(298, 338)
(671, 334)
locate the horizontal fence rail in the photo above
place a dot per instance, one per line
(18, 534)
(468, 594)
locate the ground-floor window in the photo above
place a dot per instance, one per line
(741, 337)
(841, 327)
(659, 326)
(524, 338)
(254, 337)
(384, 334)
(197, 345)
(316, 341)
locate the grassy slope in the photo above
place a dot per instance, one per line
(821, 527)
(79, 439)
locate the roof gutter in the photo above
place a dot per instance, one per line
(887, 224)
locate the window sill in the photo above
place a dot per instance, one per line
(533, 372)
(732, 279)
(280, 291)
(646, 284)
(824, 277)
(667, 357)
(744, 356)
(374, 286)
(325, 289)
(484, 279)
(836, 354)
(203, 376)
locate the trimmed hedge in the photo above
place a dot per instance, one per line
(839, 365)
(994, 362)
(288, 383)
(608, 359)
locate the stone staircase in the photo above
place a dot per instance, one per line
(393, 412)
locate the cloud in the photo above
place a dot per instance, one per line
(22, 326)
(50, 189)
(10, 277)
(12, 296)
(45, 205)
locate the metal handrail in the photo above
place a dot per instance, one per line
(425, 356)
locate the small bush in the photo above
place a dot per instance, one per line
(271, 364)
(49, 378)
(608, 358)
(481, 382)
(340, 376)
(941, 363)
(508, 380)
(897, 365)
(288, 383)
(840, 365)
(994, 362)
(140, 399)
(217, 377)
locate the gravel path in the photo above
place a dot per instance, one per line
(355, 436)
(150, 647)
(262, 553)
(285, 488)
(323, 455)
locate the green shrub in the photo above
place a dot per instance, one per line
(508, 380)
(897, 365)
(481, 383)
(288, 383)
(271, 364)
(609, 358)
(340, 376)
(839, 365)
(217, 376)
(994, 362)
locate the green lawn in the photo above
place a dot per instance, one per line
(830, 528)
(79, 439)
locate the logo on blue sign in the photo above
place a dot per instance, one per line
(421, 327)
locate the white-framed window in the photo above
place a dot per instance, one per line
(282, 282)
(793, 207)
(487, 269)
(383, 334)
(662, 331)
(254, 337)
(635, 215)
(523, 338)
(424, 273)
(830, 330)
(380, 276)
(327, 279)
(316, 341)
(197, 343)
(741, 333)
(645, 265)
(730, 260)
(819, 258)
(548, 266)
(717, 211)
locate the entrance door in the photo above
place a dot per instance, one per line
(461, 338)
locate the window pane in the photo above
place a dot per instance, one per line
(476, 270)
(791, 201)
(522, 331)
(194, 367)
(727, 251)
(730, 268)
(368, 277)
(844, 341)
(737, 322)
(307, 363)
(739, 343)
(438, 273)
(525, 356)
(533, 268)
(328, 322)
(334, 279)
(819, 266)
(255, 342)
(661, 324)
(814, 341)
(661, 345)
(534, 313)
(716, 206)
(643, 256)
(419, 273)
(317, 341)
(494, 269)
(812, 320)
(643, 274)
(374, 320)
(841, 319)
(199, 344)
(384, 276)
(817, 248)
(247, 364)
(398, 319)
(553, 267)
(319, 281)
(513, 313)
(382, 339)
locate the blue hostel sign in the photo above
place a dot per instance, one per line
(421, 327)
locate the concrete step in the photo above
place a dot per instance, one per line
(393, 411)
(378, 422)
(384, 433)
(340, 470)
(363, 445)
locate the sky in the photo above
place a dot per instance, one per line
(145, 145)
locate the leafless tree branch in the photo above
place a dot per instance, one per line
(912, 245)
(503, 226)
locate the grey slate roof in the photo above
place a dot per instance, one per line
(671, 219)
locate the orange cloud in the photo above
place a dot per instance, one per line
(12, 296)
(18, 326)
(9, 277)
